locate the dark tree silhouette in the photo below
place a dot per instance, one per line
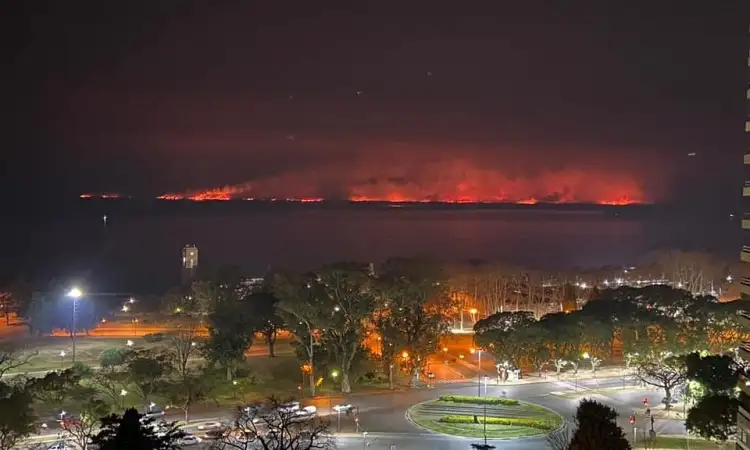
(132, 431)
(596, 428)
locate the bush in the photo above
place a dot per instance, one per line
(112, 357)
(153, 337)
(478, 400)
(511, 421)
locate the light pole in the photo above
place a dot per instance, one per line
(75, 294)
(478, 351)
(62, 357)
(123, 393)
(335, 374)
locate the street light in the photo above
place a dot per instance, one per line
(123, 393)
(62, 356)
(478, 351)
(75, 293)
(129, 343)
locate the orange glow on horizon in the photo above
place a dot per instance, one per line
(101, 196)
(446, 181)
(214, 195)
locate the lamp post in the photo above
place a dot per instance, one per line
(478, 351)
(62, 357)
(74, 294)
(123, 393)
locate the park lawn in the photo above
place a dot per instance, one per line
(678, 442)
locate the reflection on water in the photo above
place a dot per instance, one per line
(145, 251)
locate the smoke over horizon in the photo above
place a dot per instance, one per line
(454, 180)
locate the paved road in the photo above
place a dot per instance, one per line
(383, 416)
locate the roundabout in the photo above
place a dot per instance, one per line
(477, 417)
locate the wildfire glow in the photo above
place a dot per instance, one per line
(441, 181)
(101, 196)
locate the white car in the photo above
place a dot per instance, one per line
(344, 408)
(307, 411)
(58, 446)
(211, 426)
(290, 407)
(190, 439)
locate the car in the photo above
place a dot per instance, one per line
(290, 407)
(307, 411)
(154, 413)
(344, 408)
(58, 446)
(190, 439)
(216, 433)
(674, 400)
(211, 426)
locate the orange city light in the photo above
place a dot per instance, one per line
(445, 349)
(473, 350)
(404, 354)
(473, 310)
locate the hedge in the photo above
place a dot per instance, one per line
(512, 421)
(478, 400)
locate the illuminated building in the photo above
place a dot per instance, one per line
(189, 263)
(743, 412)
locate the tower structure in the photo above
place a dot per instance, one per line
(189, 263)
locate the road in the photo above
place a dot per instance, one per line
(383, 415)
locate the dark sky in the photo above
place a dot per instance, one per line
(593, 101)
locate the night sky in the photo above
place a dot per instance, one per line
(509, 101)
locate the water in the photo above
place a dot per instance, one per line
(142, 252)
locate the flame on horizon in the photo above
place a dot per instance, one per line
(437, 183)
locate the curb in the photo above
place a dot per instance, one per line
(563, 423)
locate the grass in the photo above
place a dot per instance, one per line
(474, 400)
(678, 442)
(509, 419)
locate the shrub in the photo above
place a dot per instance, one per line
(112, 357)
(153, 337)
(478, 400)
(511, 421)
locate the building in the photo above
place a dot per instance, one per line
(189, 263)
(743, 413)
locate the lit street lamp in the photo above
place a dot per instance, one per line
(62, 357)
(74, 293)
(123, 393)
(129, 343)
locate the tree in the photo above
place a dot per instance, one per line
(57, 388)
(186, 390)
(297, 308)
(110, 381)
(504, 335)
(145, 371)
(714, 417)
(10, 359)
(113, 357)
(596, 428)
(81, 429)
(344, 299)
(274, 429)
(183, 348)
(17, 418)
(717, 373)
(267, 321)
(411, 313)
(666, 374)
(560, 439)
(229, 335)
(132, 430)
(560, 364)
